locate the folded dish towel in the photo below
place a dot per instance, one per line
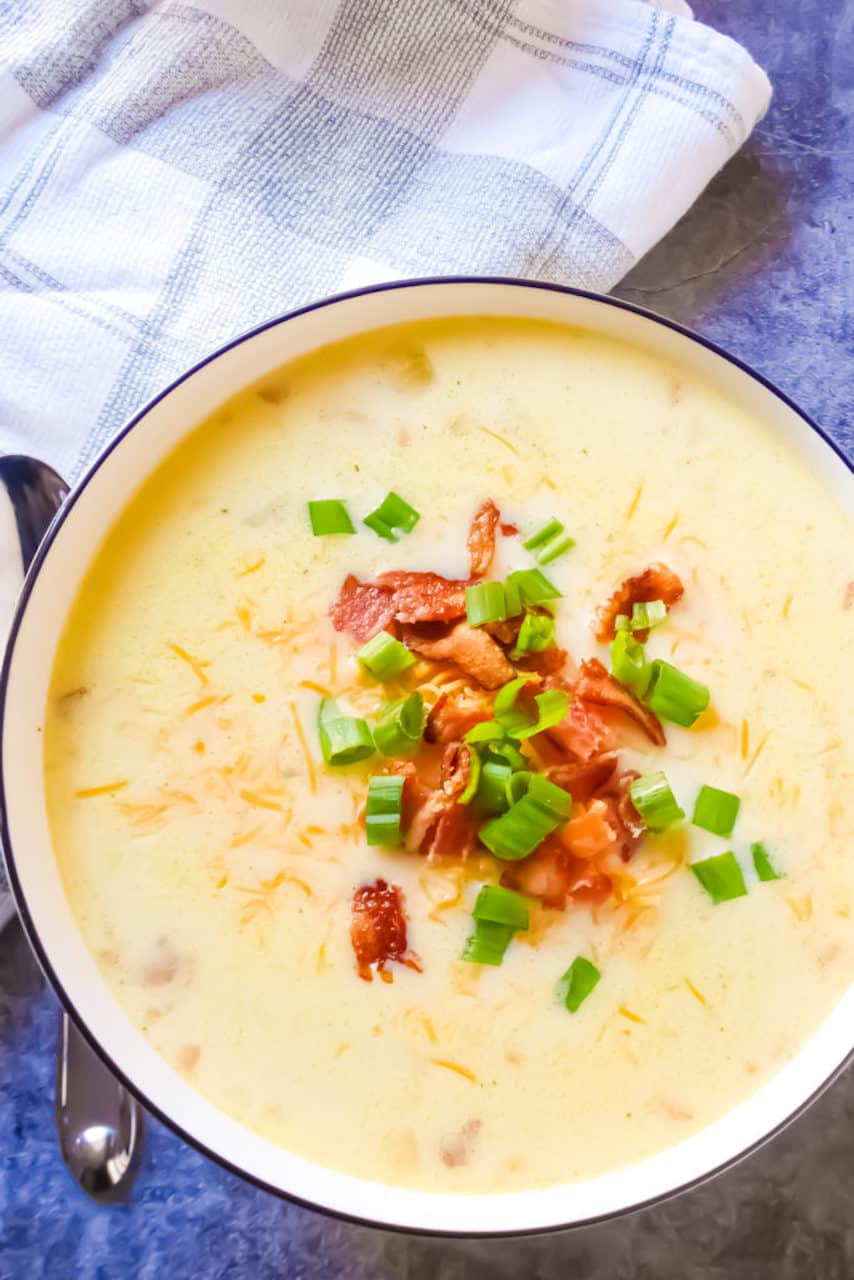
(172, 173)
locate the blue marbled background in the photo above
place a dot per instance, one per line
(763, 264)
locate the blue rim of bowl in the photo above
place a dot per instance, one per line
(8, 852)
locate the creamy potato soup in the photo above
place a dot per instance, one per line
(557, 871)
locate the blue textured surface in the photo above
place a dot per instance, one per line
(763, 264)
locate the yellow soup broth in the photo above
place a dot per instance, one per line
(210, 857)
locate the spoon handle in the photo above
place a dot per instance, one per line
(99, 1123)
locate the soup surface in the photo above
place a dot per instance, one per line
(211, 856)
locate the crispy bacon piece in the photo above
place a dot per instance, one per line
(584, 779)
(469, 648)
(453, 714)
(362, 608)
(598, 686)
(378, 930)
(508, 528)
(425, 597)
(582, 733)
(624, 817)
(550, 662)
(456, 769)
(481, 540)
(454, 834)
(505, 632)
(554, 875)
(658, 582)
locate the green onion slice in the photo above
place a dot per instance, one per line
(577, 983)
(529, 587)
(721, 877)
(343, 739)
(400, 726)
(383, 809)
(486, 731)
(628, 663)
(549, 542)
(716, 811)
(508, 753)
(491, 798)
(655, 802)
(674, 696)
(647, 614)
(487, 943)
(501, 906)
(329, 515)
(552, 705)
(385, 657)
(543, 535)
(517, 785)
(536, 633)
(527, 823)
(762, 862)
(485, 603)
(392, 514)
(476, 766)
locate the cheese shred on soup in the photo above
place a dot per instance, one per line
(448, 756)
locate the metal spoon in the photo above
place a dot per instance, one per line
(100, 1125)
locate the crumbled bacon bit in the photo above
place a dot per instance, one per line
(456, 769)
(378, 930)
(508, 528)
(658, 582)
(597, 685)
(425, 597)
(453, 714)
(549, 662)
(469, 648)
(481, 540)
(589, 833)
(583, 780)
(582, 733)
(454, 834)
(362, 608)
(553, 875)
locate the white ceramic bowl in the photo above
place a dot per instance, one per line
(49, 590)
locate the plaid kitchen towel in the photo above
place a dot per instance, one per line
(172, 173)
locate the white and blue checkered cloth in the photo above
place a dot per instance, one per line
(172, 173)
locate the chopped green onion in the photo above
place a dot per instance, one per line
(577, 983)
(400, 726)
(557, 547)
(512, 598)
(509, 753)
(487, 943)
(655, 802)
(485, 603)
(716, 811)
(383, 809)
(674, 696)
(721, 877)
(628, 662)
(527, 823)
(491, 798)
(552, 705)
(517, 785)
(392, 514)
(549, 542)
(486, 731)
(647, 614)
(530, 587)
(343, 739)
(543, 535)
(536, 633)
(385, 657)
(329, 515)
(762, 862)
(476, 768)
(501, 906)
